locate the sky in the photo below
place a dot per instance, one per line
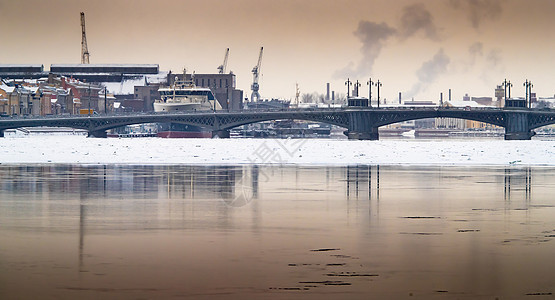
(419, 48)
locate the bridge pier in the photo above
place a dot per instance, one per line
(371, 135)
(222, 134)
(362, 127)
(98, 134)
(517, 127)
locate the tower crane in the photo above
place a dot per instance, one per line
(84, 49)
(224, 65)
(255, 72)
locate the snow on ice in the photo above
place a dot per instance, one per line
(81, 150)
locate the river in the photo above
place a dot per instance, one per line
(276, 232)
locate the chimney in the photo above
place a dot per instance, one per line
(399, 97)
(328, 91)
(449, 95)
(441, 99)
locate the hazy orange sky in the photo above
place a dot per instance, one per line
(420, 48)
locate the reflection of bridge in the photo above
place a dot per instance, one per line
(361, 124)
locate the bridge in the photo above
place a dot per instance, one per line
(361, 123)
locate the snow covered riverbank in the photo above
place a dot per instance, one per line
(82, 150)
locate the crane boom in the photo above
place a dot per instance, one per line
(224, 65)
(84, 49)
(255, 73)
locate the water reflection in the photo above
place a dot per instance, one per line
(185, 182)
(248, 231)
(521, 180)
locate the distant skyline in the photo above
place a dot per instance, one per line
(419, 48)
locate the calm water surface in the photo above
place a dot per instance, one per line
(244, 232)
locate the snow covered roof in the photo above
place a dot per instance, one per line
(19, 66)
(7, 89)
(463, 104)
(105, 65)
(103, 69)
(127, 86)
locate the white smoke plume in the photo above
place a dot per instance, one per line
(479, 10)
(429, 72)
(476, 49)
(373, 36)
(494, 58)
(417, 18)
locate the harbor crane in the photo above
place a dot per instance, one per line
(255, 73)
(84, 49)
(224, 65)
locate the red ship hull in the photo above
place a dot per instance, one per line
(185, 134)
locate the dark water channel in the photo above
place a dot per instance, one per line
(245, 232)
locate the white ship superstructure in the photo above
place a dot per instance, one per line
(184, 95)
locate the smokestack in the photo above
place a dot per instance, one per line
(328, 91)
(440, 99)
(333, 95)
(449, 95)
(399, 97)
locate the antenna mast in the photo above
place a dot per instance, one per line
(255, 73)
(84, 49)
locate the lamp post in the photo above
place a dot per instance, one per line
(227, 94)
(20, 100)
(357, 85)
(507, 86)
(105, 98)
(510, 85)
(378, 84)
(504, 83)
(370, 83)
(528, 86)
(348, 83)
(89, 100)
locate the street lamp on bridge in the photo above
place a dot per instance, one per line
(370, 83)
(528, 86)
(89, 100)
(348, 83)
(105, 102)
(357, 85)
(507, 86)
(378, 84)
